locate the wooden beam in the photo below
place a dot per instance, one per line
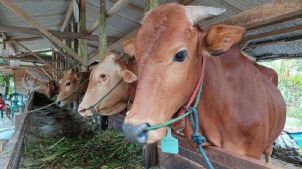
(184, 2)
(92, 46)
(267, 13)
(93, 27)
(4, 37)
(44, 31)
(116, 44)
(67, 57)
(28, 59)
(67, 16)
(119, 42)
(279, 56)
(113, 9)
(116, 6)
(131, 6)
(94, 53)
(8, 40)
(25, 66)
(150, 4)
(102, 29)
(36, 56)
(83, 48)
(272, 43)
(27, 53)
(61, 35)
(272, 33)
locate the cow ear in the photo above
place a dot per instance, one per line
(221, 38)
(128, 46)
(77, 75)
(73, 70)
(128, 76)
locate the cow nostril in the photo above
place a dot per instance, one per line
(82, 110)
(142, 137)
(137, 133)
(58, 103)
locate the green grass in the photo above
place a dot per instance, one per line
(105, 150)
(297, 114)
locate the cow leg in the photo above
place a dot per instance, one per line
(268, 152)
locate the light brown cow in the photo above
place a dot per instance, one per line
(72, 84)
(47, 87)
(240, 110)
(104, 77)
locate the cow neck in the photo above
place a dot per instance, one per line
(181, 124)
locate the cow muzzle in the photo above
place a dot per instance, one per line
(136, 133)
(59, 103)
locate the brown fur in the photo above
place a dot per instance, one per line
(241, 109)
(103, 78)
(75, 78)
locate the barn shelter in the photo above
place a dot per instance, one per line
(44, 38)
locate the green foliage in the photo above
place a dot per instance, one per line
(290, 84)
(7, 81)
(106, 150)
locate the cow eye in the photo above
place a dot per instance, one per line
(68, 83)
(180, 56)
(103, 77)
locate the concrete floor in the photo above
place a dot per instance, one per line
(6, 128)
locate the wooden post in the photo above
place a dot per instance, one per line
(55, 64)
(75, 41)
(68, 65)
(83, 48)
(102, 32)
(113, 9)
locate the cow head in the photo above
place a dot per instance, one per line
(68, 85)
(31, 83)
(104, 78)
(52, 88)
(169, 51)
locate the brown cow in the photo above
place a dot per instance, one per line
(240, 109)
(72, 84)
(105, 76)
(48, 87)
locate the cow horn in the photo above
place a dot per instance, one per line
(196, 14)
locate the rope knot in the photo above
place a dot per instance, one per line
(193, 109)
(198, 139)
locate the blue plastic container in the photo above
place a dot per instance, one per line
(297, 137)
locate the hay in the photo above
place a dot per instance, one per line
(105, 150)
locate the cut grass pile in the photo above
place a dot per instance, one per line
(106, 150)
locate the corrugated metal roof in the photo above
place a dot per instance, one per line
(51, 14)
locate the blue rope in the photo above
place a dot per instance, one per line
(197, 138)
